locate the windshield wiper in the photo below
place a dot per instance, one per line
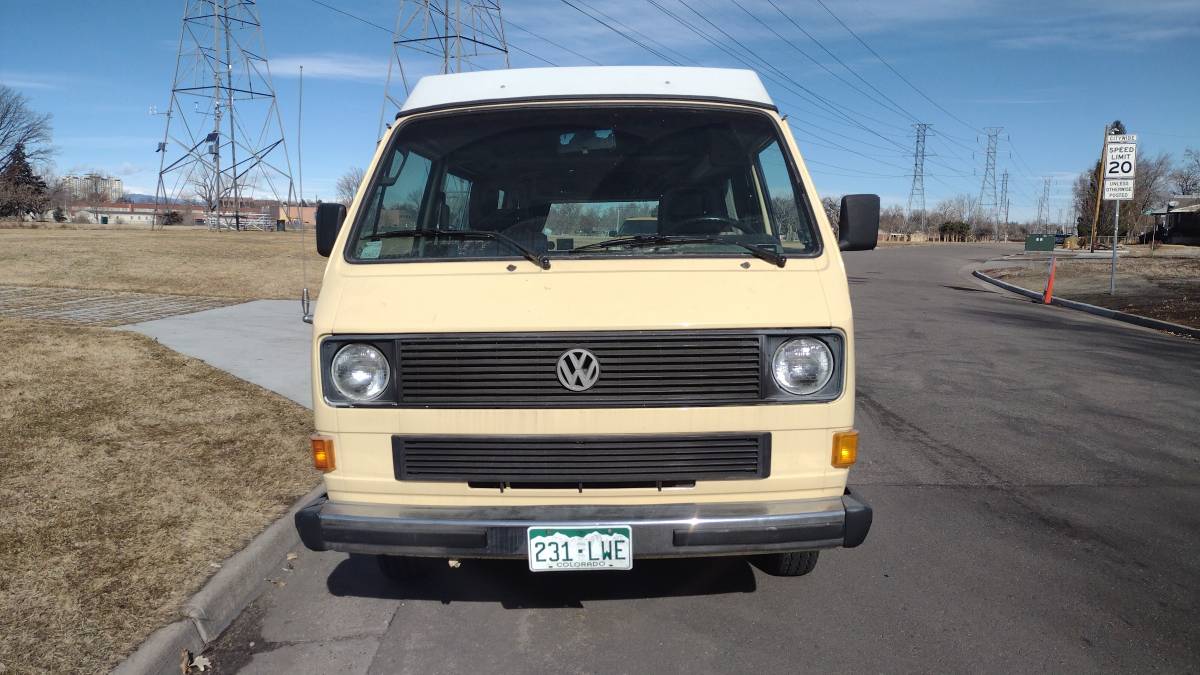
(639, 240)
(529, 254)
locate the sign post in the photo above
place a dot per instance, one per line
(1119, 170)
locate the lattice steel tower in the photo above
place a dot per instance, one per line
(1043, 204)
(224, 143)
(987, 204)
(1003, 205)
(917, 191)
(444, 36)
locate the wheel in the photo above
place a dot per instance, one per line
(793, 564)
(403, 568)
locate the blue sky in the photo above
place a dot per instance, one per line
(1051, 73)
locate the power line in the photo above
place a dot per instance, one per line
(854, 173)
(339, 10)
(832, 55)
(627, 37)
(682, 57)
(894, 71)
(519, 27)
(529, 53)
(809, 92)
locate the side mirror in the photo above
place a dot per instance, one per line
(329, 222)
(858, 223)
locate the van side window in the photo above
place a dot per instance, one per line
(397, 202)
(782, 207)
(457, 194)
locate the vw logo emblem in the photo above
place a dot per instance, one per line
(578, 369)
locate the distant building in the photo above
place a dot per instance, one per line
(135, 214)
(94, 186)
(1177, 221)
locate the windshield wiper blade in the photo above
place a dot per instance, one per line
(638, 240)
(529, 254)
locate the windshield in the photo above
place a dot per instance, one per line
(559, 180)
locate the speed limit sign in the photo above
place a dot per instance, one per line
(1120, 156)
(1120, 166)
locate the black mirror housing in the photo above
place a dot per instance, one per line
(858, 223)
(329, 221)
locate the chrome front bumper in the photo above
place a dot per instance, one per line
(659, 531)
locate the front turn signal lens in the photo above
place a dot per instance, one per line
(322, 453)
(845, 449)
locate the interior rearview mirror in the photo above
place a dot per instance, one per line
(329, 220)
(858, 223)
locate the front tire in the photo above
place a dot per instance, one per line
(791, 564)
(399, 569)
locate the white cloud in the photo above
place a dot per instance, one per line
(29, 80)
(333, 66)
(129, 169)
(108, 142)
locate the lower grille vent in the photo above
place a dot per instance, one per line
(570, 461)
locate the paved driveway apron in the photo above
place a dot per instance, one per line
(1035, 475)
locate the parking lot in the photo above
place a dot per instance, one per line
(1034, 474)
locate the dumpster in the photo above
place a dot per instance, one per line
(1039, 242)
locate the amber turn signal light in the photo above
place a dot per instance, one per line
(845, 449)
(322, 452)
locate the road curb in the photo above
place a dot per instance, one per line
(221, 600)
(1126, 317)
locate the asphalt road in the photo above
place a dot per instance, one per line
(1035, 474)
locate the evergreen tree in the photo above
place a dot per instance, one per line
(21, 191)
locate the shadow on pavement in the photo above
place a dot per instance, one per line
(510, 583)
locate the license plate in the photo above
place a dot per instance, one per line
(603, 547)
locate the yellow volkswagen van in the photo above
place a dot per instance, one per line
(496, 375)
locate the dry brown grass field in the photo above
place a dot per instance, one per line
(244, 265)
(130, 473)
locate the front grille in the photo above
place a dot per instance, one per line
(635, 369)
(559, 461)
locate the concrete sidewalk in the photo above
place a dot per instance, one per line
(263, 342)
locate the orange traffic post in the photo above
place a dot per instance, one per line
(1048, 294)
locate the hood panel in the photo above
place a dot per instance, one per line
(563, 299)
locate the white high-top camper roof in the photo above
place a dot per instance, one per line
(721, 84)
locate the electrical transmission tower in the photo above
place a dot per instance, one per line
(987, 204)
(451, 36)
(917, 191)
(224, 144)
(1003, 205)
(1044, 204)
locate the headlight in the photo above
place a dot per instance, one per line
(360, 372)
(802, 366)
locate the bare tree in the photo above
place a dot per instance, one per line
(892, 220)
(833, 210)
(1150, 188)
(21, 125)
(1185, 179)
(954, 209)
(347, 185)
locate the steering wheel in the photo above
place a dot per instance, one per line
(709, 225)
